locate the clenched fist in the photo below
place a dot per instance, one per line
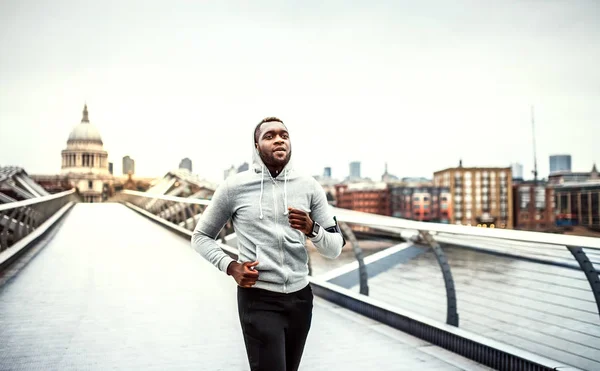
(244, 274)
(300, 220)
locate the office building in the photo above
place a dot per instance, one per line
(517, 170)
(128, 165)
(355, 170)
(186, 163)
(480, 196)
(560, 163)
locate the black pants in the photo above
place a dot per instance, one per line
(275, 327)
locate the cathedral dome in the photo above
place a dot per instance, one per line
(84, 131)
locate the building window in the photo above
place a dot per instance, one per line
(540, 198)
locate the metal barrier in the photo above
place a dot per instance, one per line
(166, 211)
(185, 212)
(19, 219)
(445, 233)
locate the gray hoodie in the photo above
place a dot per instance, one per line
(257, 205)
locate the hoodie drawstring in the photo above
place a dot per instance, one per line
(285, 212)
(262, 178)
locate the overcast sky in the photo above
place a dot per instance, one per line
(419, 84)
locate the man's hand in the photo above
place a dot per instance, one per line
(244, 274)
(300, 220)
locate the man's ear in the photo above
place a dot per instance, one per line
(256, 145)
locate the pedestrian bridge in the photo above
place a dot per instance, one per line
(117, 286)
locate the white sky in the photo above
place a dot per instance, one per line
(417, 84)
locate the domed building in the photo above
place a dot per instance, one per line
(85, 162)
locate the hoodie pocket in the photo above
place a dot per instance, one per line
(269, 263)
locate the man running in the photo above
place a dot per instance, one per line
(274, 211)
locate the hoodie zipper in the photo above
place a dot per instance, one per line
(278, 234)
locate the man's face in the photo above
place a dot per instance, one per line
(274, 144)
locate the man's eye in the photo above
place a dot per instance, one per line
(268, 137)
(284, 136)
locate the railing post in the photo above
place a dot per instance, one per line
(363, 276)
(451, 307)
(588, 269)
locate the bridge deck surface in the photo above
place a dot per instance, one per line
(109, 289)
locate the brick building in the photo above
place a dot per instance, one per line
(578, 204)
(480, 196)
(371, 198)
(424, 203)
(533, 206)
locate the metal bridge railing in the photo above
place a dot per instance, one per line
(185, 212)
(545, 248)
(572, 252)
(19, 219)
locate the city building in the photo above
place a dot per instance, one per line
(110, 168)
(561, 177)
(533, 206)
(416, 181)
(387, 177)
(517, 171)
(327, 172)
(424, 203)
(354, 170)
(560, 163)
(85, 162)
(128, 165)
(480, 196)
(578, 204)
(186, 163)
(371, 198)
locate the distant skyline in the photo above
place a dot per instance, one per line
(420, 83)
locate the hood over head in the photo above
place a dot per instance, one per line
(258, 166)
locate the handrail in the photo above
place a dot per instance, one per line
(357, 217)
(425, 229)
(20, 218)
(37, 200)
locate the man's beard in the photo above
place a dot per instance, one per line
(272, 161)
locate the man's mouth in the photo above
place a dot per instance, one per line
(280, 149)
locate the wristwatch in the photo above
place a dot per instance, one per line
(315, 230)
